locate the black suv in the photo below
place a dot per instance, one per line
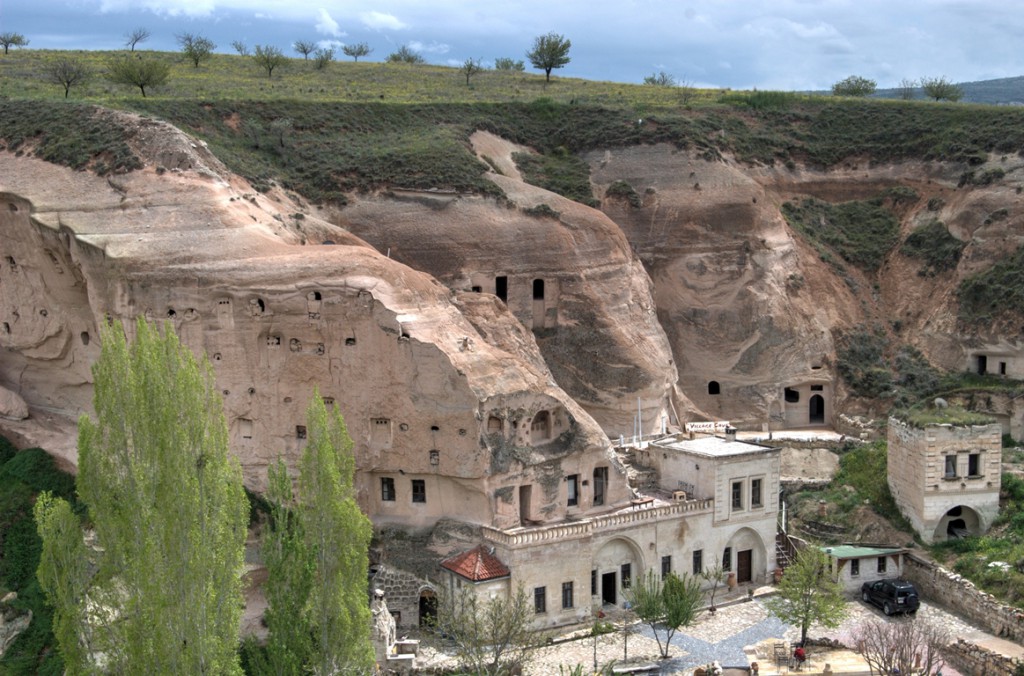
(892, 596)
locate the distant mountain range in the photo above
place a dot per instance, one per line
(1002, 91)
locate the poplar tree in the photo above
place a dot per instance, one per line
(337, 535)
(167, 504)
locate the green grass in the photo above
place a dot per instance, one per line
(953, 415)
(994, 295)
(934, 246)
(861, 232)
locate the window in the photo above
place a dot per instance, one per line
(566, 595)
(540, 600)
(600, 481)
(627, 575)
(593, 583)
(698, 561)
(387, 489)
(854, 567)
(974, 464)
(950, 467)
(817, 388)
(791, 396)
(419, 490)
(727, 559)
(714, 387)
(435, 457)
(666, 565)
(538, 289)
(737, 495)
(501, 287)
(573, 487)
(300, 431)
(755, 493)
(881, 564)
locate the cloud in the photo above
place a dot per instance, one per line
(379, 20)
(336, 45)
(326, 25)
(432, 48)
(171, 8)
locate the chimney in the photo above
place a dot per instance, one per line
(730, 434)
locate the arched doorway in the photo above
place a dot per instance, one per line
(960, 521)
(816, 410)
(617, 565)
(748, 556)
(428, 607)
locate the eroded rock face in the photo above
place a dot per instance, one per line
(445, 421)
(750, 308)
(569, 275)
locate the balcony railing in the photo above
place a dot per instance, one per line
(594, 526)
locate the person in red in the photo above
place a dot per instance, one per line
(799, 657)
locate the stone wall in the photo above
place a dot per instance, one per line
(936, 583)
(973, 660)
(402, 591)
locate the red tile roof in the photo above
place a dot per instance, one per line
(477, 565)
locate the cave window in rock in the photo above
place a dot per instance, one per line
(572, 484)
(245, 428)
(295, 345)
(350, 341)
(538, 289)
(817, 388)
(300, 431)
(257, 306)
(328, 401)
(435, 457)
(982, 362)
(273, 341)
(7, 328)
(600, 484)
(11, 262)
(1002, 368)
(171, 313)
(476, 289)
(387, 489)
(540, 429)
(419, 490)
(714, 387)
(314, 295)
(791, 395)
(494, 425)
(501, 287)
(85, 337)
(816, 409)
(380, 431)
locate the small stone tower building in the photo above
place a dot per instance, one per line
(945, 477)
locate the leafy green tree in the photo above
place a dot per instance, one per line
(195, 47)
(941, 89)
(807, 594)
(854, 85)
(304, 47)
(337, 535)
(268, 58)
(357, 50)
(490, 636)
(135, 36)
(67, 73)
(469, 68)
(716, 576)
(64, 576)
(661, 79)
(549, 52)
(508, 63)
(405, 55)
(322, 57)
(669, 603)
(139, 73)
(8, 40)
(168, 507)
(289, 580)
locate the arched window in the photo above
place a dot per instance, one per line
(714, 387)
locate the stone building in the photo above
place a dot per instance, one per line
(713, 500)
(853, 565)
(945, 477)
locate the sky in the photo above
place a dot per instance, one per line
(737, 44)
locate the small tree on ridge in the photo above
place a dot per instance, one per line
(8, 40)
(135, 36)
(67, 73)
(195, 47)
(268, 58)
(854, 85)
(357, 50)
(304, 47)
(139, 73)
(549, 52)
